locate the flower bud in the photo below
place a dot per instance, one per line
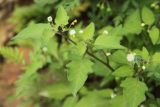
(50, 19)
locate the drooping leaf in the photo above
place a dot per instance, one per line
(78, 71)
(61, 17)
(52, 47)
(134, 91)
(101, 70)
(156, 58)
(44, 2)
(154, 67)
(34, 35)
(123, 71)
(143, 53)
(70, 102)
(78, 49)
(92, 101)
(132, 24)
(104, 93)
(119, 57)
(118, 101)
(47, 35)
(154, 34)
(56, 91)
(147, 16)
(33, 31)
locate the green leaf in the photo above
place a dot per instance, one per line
(134, 91)
(154, 34)
(33, 31)
(156, 58)
(78, 49)
(78, 71)
(88, 32)
(123, 71)
(143, 53)
(47, 35)
(147, 16)
(154, 67)
(12, 54)
(118, 101)
(44, 2)
(105, 93)
(119, 57)
(57, 91)
(52, 47)
(132, 24)
(70, 102)
(108, 42)
(92, 101)
(28, 80)
(61, 17)
(101, 70)
(34, 35)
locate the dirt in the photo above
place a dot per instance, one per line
(8, 75)
(9, 71)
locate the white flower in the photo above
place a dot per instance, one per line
(105, 32)
(108, 53)
(44, 49)
(142, 24)
(72, 32)
(50, 19)
(142, 105)
(81, 31)
(143, 67)
(113, 95)
(130, 57)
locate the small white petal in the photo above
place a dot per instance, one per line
(130, 57)
(142, 105)
(81, 31)
(142, 24)
(108, 53)
(72, 32)
(44, 49)
(105, 32)
(50, 19)
(113, 95)
(143, 67)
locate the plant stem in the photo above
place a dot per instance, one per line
(106, 64)
(93, 56)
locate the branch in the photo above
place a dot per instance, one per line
(95, 57)
(106, 64)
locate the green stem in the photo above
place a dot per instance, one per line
(106, 64)
(93, 56)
